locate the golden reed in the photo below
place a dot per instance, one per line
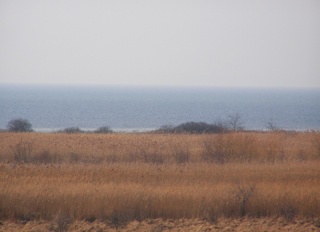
(125, 177)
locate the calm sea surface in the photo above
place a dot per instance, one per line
(137, 108)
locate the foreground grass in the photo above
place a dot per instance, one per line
(156, 225)
(124, 192)
(126, 178)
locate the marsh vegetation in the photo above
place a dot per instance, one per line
(121, 178)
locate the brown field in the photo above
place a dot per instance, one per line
(156, 182)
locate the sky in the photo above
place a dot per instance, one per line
(229, 43)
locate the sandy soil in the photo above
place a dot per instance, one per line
(159, 225)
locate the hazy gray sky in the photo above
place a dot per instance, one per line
(161, 42)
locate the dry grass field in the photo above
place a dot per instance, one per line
(157, 182)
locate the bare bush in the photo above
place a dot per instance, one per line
(22, 151)
(272, 126)
(45, 157)
(229, 148)
(209, 214)
(74, 157)
(154, 157)
(316, 144)
(274, 149)
(111, 158)
(208, 150)
(62, 221)
(215, 150)
(288, 212)
(302, 156)
(119, 218)
(181, 155)
(235, 122)
(242, 194)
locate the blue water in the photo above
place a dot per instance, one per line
(51, 108)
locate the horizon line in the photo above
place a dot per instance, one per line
(151, 85)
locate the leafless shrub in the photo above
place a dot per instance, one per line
(45, 157)
(273, 149)
(154, 157)
(302, 156)
(62, 221)
(22, 151)
(282, 156)
(210, 214)
(242, 194)
(288, 212)
(111, 158)
(74, 157)
(220, 154)
(215, 150)
(181, 155)
(119, 218)
(235, 122)
(90, 219)
(137, 154)
(226, 148)
(316, 144)
(208, 151)
(249, 148)
(272, 126)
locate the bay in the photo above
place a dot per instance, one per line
(125, 108)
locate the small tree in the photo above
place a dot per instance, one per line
(19, 125)
(242, 194)
(235, 122)
(271, 125)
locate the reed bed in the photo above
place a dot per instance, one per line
(127, 192)
(125, 177)
(160, 148)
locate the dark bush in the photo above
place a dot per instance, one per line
(62, 222)
(154, 157)
(45, 157)
(19, 125)
(104, 130)
(288, 211)
(119, 218)
(199, 127)
(72, 130)
(166, 129)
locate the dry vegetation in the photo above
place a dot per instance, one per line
(77, 179)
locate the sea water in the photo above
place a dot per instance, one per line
(123, 108)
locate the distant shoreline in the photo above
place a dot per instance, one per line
(129, 108)
(154, 130)
(91, 130)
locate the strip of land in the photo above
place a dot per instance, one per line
(154, 181)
